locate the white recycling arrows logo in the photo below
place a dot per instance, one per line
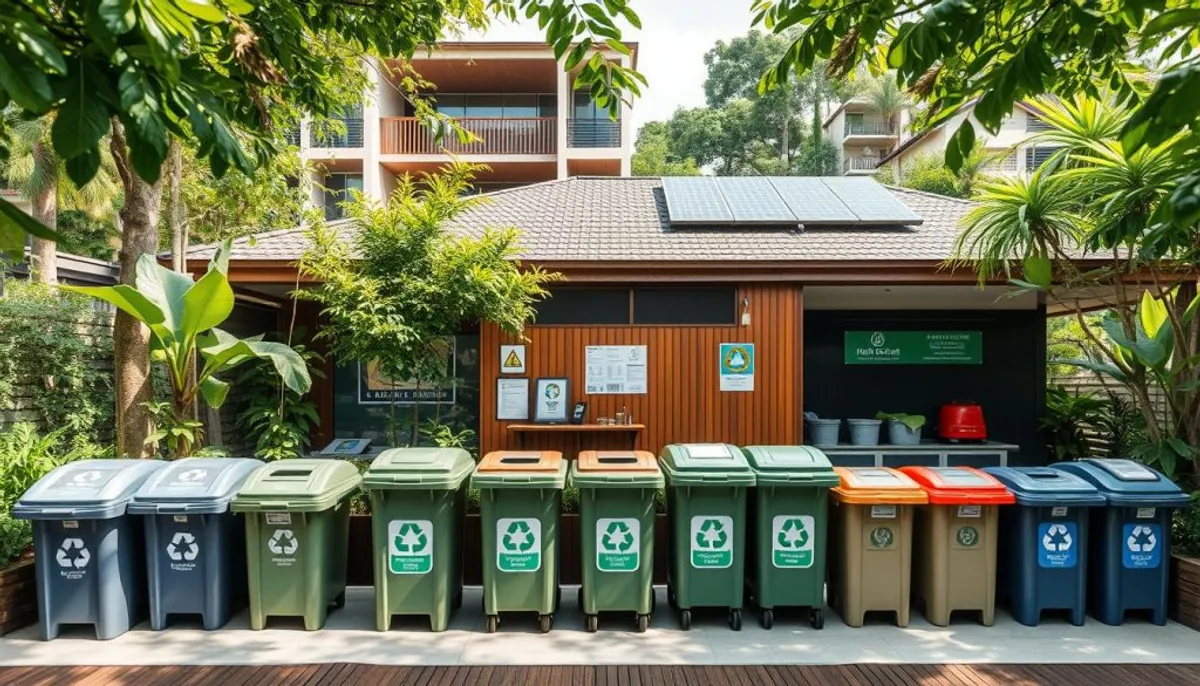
(79, 560)
(1057, 539)
(283, 542)
(192, 475)
(1141, 540)
(87, 477)
(183, 547)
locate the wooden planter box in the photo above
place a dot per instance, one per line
(1184, 591)
(18, 597)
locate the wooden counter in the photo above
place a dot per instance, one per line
(521, 430)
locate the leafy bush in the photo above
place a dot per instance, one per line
(1185, 529)
(930, 174)
(279, 418)
(1067, 417)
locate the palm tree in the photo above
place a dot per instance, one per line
(885, 96)
(34, 169)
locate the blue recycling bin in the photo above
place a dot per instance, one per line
(90, 568)
(1042, 561)
(195, 546)
(1130, 540)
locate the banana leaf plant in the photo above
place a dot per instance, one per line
(183, 315)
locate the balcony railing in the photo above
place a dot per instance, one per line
(353, 138)
(859, 164)
(593, 133)
(292, 136)
(497, 136)
(870, 128)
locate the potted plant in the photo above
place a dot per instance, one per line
(903, 429)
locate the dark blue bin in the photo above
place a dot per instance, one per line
(90, 568)
(1042, 558)
(1130, 539)
(195, 547)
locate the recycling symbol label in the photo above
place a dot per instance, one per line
(195, 476)
(793, 541)
(1057, 545)
(967, 537)
(882, 537)
(183, 551)
(283, 545)
(618, 545)
(518, 544)
(72, 557)
(410, 546)
(712, 542)
(1141, 549)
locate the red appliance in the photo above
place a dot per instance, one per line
(962, 420)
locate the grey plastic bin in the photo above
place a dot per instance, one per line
(195, 546)
(90, 554)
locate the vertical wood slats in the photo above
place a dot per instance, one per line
(497, 136)
(684, 402)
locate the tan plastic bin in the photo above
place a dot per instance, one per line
(871, 531)
(955, 546)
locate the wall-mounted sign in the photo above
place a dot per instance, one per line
(737, 366)
(914, 347)
(512, 399)
(377, 388)
(512, 359)
(615, 370)
(550, 399)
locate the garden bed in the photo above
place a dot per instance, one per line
(1184, 601)
(18, 596)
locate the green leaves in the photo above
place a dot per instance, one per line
(14, 224)
(960, 146)
(83, 119)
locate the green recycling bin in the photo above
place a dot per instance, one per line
(417, 507)
(617, 492)
(520, 499)
(706, 499)
(297, 535)
(788, 508)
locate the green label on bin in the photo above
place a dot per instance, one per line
(712, 542)
(793, 539)
(518, 545)
(618, 546)
(410, 546)
(882, 537)
(967, 537)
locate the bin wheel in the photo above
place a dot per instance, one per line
(591, 623)
(545, 623)
(340, 601)
(816, 617)
(493, 623)
(685, 620)
(735, 619)
(643, 623)
(767, 619)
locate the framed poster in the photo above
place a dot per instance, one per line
(615, 369)
(512, 399)
(550, 398)
(736, 362)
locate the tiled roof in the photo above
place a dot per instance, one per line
(606, 219)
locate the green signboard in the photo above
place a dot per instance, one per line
(914, 347)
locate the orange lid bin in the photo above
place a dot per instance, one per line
(876, 486)
(521, 461)
(617, 461)
(960, 486)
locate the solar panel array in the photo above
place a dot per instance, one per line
(782, 201)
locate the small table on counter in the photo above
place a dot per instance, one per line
(926, 454)
(522, 430)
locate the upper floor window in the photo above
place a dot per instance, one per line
(337, 191)
(491, 105)
(1037, 155)
(1036, 123)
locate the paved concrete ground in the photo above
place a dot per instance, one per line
(350, 637)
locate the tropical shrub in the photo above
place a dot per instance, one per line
(279, 418)
(1068, 416)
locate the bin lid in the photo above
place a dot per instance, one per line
(299, 485)
(199, 485)
(89, 489)
(1046, 487)
(959, 486)
(426, 468)
(520, 469)
(800, 465)
(712, 464)
(616, 469)
(876, 486)
(1125, 482)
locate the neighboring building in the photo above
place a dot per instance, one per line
(862, 136)
(15, 197)
(515, 96)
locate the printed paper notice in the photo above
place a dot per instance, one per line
(512, 399)
(737, 366)
(616, 369)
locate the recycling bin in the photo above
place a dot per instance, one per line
(789, 506)
(1130, 540)
(297, 535)
(871, 514)
(707, 485)
(195, 547)
(954, 547)
(520, 499)
(617, 494)
(90, 554)
(417, 507)
(1043, 542)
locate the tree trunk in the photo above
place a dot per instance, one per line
(131, 340)
(44, 253)
(176, 212)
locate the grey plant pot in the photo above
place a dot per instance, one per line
(823, 431)
(864, 432)
(900, 434)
